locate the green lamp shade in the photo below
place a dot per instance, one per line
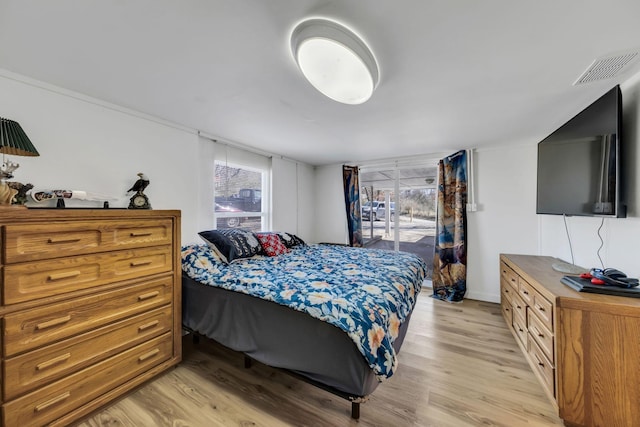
(14, 141)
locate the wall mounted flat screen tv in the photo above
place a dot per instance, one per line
(579, 164)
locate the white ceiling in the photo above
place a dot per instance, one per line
(454, 74)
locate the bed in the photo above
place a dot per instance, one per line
(332, 315)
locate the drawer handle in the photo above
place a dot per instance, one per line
(54, 322)
(518, 307)
(51, 402)
(139, 263)
(148, 355)
(54, 361)
(541, 309)
(147, 326)
(139, 234)
(525, 292)
(513, 280)
(54, 241)
(506, 291)
(537, 332)
(63, 275)
(148, 295)
(521, 330)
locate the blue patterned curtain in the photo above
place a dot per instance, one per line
(351, 181)
(450, 260)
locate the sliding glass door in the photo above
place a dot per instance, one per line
(398, 209)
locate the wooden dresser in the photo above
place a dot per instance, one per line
(584, 348)
(90, 308)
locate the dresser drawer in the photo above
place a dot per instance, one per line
(542, 366)
(519, 325)
(37, 241)
(507, 313)
(506, 291)
(53, 401)
(39, 367)
(509, 276)
(27, 330)
(543, 309)
(542, 336)
(33, 280)
(519, 307)
(526, 291)
(505, 301)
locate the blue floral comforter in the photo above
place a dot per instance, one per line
(368, 293)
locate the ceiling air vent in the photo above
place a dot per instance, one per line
(608, 67)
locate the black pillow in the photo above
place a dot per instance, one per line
(290, 240)
(232, 243)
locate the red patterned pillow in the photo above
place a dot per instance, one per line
(272, 244)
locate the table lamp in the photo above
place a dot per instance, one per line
(13, 141)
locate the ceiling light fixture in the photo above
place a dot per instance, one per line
(335, 60)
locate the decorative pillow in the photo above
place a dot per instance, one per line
(297, 241)
(217, 256)
(290, 240)
(272, 244)
(232, 243)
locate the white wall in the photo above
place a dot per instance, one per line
(87, 144)
(205, 168)
(292, 197)
(620, 249)
(284, 190)
(506, 221)
(331, 217)
(308, 214)
(91, 145)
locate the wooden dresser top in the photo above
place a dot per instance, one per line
(40, 214)
(538, 269)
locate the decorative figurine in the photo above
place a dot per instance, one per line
(21, 192)
(60, 196)
(7, 193)
(139, 200)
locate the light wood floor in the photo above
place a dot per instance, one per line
(459, 366)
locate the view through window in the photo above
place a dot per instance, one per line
(398, 210)
(238, 197)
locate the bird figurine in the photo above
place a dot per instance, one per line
(139, 200)
(140, 184)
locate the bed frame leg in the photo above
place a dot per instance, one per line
(247, 361)
(355, 410)
(195, 338)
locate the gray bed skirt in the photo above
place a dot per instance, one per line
(280, 337)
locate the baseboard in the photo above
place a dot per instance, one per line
(480, 296)
(483, 296)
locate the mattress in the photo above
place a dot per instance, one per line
(281, 337)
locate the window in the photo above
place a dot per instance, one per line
(398, 208)
(240, 189)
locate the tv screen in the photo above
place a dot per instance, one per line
(579, 164)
